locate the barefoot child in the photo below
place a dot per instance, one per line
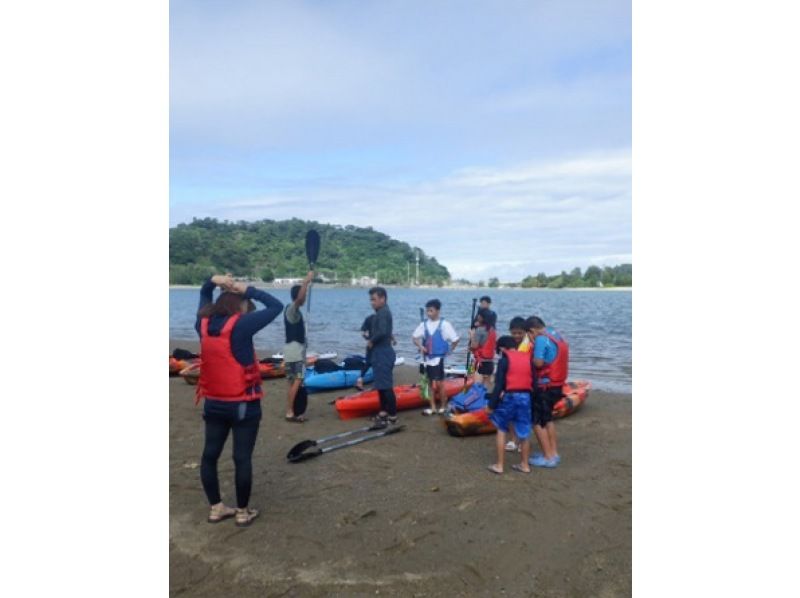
(518, 332)
(510, 401)
(433, 338)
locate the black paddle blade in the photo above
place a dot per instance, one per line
(298, 457)
(312, 246)
(298, 449)
(300, 401)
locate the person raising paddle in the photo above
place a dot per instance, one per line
(294, 352)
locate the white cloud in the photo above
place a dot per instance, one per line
(479, 222)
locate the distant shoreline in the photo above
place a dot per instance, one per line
(487, 290)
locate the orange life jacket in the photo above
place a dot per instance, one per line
(222, 377)
(558, 369)
(520, 371)
(486, 351)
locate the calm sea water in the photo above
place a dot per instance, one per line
(596, 324)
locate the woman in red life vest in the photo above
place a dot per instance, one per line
(230, 383)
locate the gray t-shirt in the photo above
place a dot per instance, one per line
(294, 351)
(481, 335)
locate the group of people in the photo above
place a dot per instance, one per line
(531, 370)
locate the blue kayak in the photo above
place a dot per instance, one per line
(332, 380)
(340, 378)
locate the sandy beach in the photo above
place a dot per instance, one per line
(413, 514)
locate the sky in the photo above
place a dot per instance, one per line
(494, 135)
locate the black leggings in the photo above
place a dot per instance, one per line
(388, 401)
(220, 417)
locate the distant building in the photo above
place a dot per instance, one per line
(281, 282)
(364, 281)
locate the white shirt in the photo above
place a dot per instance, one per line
(448, 334)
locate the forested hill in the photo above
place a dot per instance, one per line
(271, 249)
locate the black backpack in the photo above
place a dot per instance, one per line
(325, 366)
(354, 362)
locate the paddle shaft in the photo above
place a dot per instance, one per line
(471, 324)
(344, 434)
(353, 442)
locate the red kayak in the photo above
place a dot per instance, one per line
(478, 422)
(409, 396)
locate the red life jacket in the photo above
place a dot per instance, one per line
(520, 371)
(222, 378)
(558, 370)
(486, 351)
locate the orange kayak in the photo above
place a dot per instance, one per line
(409, 396)
(478, 422)
(272, 370)
(176, 365)
(191, 373)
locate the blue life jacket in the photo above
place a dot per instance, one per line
(435, 345)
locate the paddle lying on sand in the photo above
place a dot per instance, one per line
(300, 452)
(312, 253)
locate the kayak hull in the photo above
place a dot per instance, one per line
(475, 423)
(409, 396)
(334, 380)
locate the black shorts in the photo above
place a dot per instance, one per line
(542, 405)
(435, 372)
(486, 368)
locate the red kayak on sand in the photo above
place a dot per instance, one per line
(478, 422)
(409, 396)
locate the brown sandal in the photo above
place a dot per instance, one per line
(244, 517)
(220, 512)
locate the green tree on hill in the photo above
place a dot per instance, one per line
(592, 276)
(271, 249)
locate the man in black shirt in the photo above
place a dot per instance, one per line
(382, 355)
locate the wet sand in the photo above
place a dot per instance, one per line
(413, 514)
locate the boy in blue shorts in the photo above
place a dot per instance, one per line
(517, 330)
(510, 402)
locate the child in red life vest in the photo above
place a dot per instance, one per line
(517, 330)
(482, 342)
(510, 402)
(551, 367)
